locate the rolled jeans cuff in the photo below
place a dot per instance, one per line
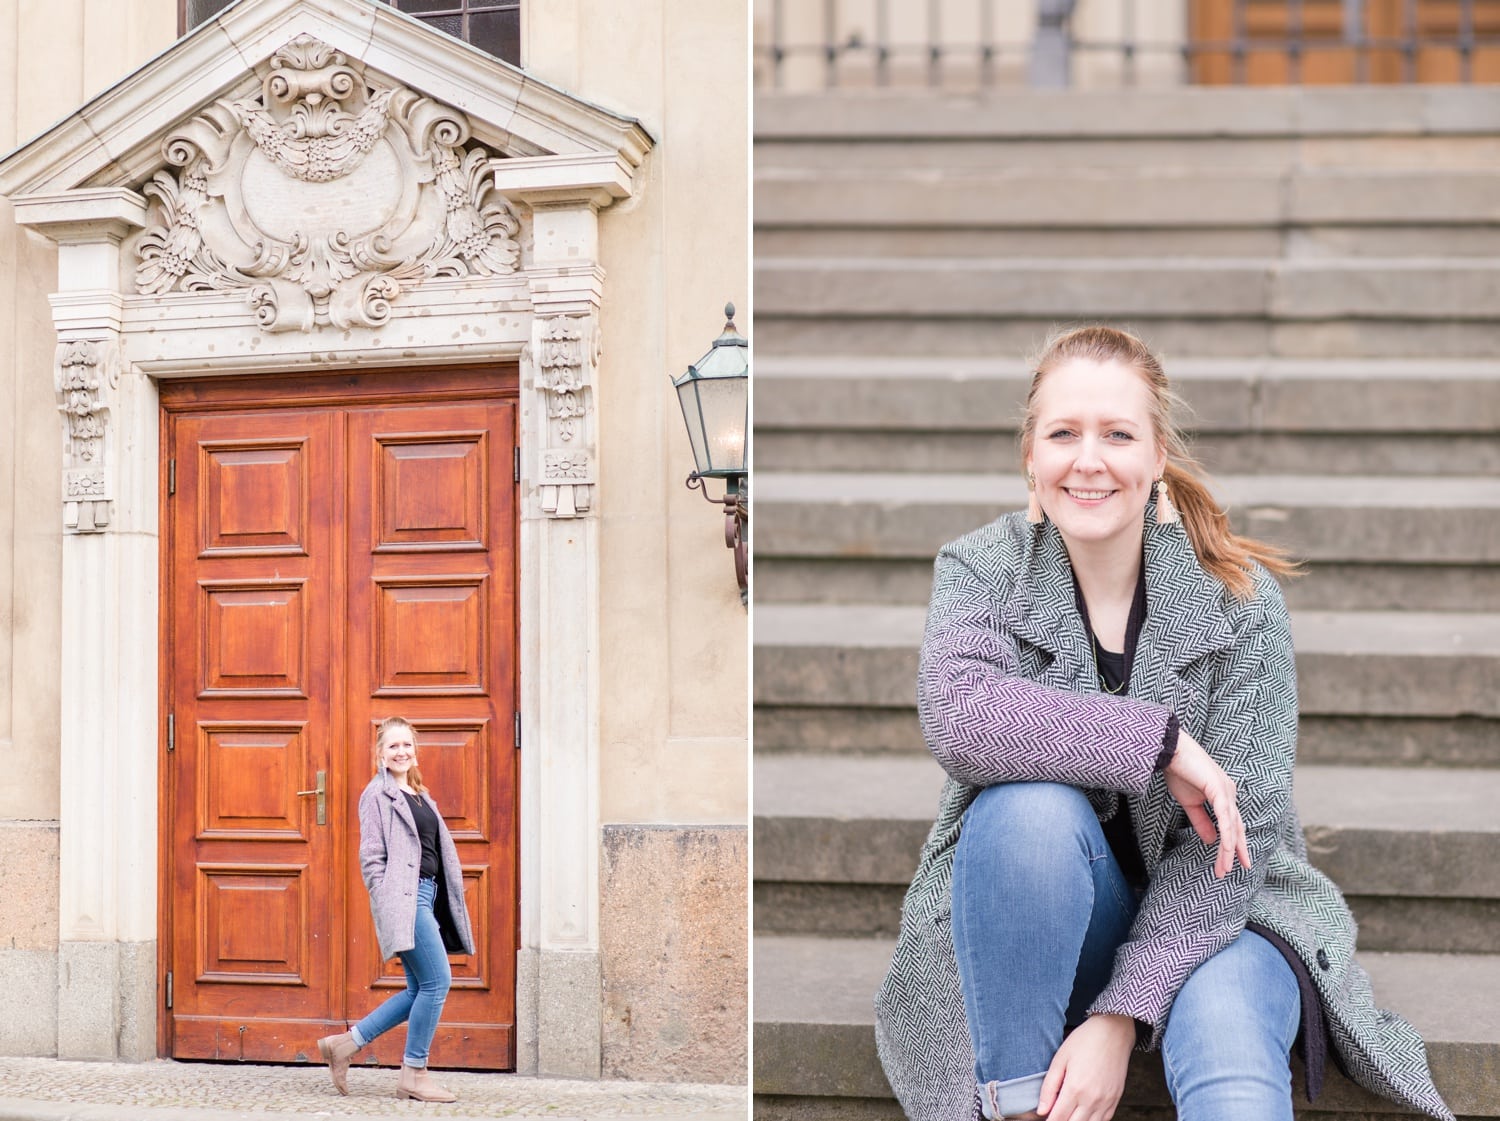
(1012, 1097)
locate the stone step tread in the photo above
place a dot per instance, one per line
(1209, 114)
(941, 368)
(1150, 200)
(1403, 633)
(1132, 266)
(814, 1023)
(900, 788)
(1450, 998)
(1128, 177)
(1009, 489)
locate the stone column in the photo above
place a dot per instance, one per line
(559, 1000)
(108, 844)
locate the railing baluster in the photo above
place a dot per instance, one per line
(1238, 36)
(1294, 46)
(1466, 41)
(934, 42)
(1354, 34)
(986, 44)
(830, 33)
(1409, 42)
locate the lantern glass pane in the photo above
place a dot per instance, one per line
(723, 403)
(692, 416)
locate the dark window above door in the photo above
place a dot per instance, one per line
(491, 25)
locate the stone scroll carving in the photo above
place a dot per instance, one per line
(562, 356)
(85, 369)
(323, 198)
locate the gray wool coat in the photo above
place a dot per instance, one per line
(390, 858)
(1007, 691)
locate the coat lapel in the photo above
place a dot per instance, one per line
(399, 806)
(1042, 610)
(1185, 624)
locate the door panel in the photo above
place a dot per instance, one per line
(332, 564)
(252, 603)
(429, 540)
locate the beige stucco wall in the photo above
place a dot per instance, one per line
(673, 704)
(54, 54)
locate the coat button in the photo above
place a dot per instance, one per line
(1322, 960)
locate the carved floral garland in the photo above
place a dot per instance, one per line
(318, 122)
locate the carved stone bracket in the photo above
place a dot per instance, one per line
(563, 354)
(85, 369)
(322, 198)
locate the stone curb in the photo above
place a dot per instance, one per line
(22, 1109)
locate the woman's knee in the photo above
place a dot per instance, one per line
(1044, 813)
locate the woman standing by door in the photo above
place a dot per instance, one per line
(411, 871)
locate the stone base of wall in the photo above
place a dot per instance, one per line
(28, 1003)
(106, 1002)
(674, 939)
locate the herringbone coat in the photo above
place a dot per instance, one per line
(390, 859)
(1008, 691)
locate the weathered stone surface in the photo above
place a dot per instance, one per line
(28, 878)
(674, 945)
(28, 1002)
(883, 287)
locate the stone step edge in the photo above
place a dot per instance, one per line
(1377, 831)
(1218, 369)
(1422, 493)
(829, 1052)
(1125, 114)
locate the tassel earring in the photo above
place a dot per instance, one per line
(1166, 513)
(1034, 513)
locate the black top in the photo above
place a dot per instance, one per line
(427, 832)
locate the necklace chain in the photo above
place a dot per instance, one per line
(1098, 658)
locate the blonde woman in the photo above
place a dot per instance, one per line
(1109, 682)
(412, 873)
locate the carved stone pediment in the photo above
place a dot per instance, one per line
(322, 198)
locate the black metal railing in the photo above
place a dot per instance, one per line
(806, 44)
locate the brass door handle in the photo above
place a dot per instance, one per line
(321, 790)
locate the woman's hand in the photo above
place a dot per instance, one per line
(1196, 781)
(1087, 1075)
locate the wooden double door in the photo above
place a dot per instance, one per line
(336, 551)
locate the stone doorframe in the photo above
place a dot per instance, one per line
(149, 192)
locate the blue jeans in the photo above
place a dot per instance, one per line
(428, 977)
(1039, 907)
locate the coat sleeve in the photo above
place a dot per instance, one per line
(1187, 914)
(372, 843)
(986, 724)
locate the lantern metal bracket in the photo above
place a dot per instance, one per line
(736, 504)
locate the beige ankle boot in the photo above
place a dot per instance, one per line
(337, 1050)
(415, 1084)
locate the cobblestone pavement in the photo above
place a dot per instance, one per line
(50, 1090)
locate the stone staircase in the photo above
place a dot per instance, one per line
(1321, 272)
